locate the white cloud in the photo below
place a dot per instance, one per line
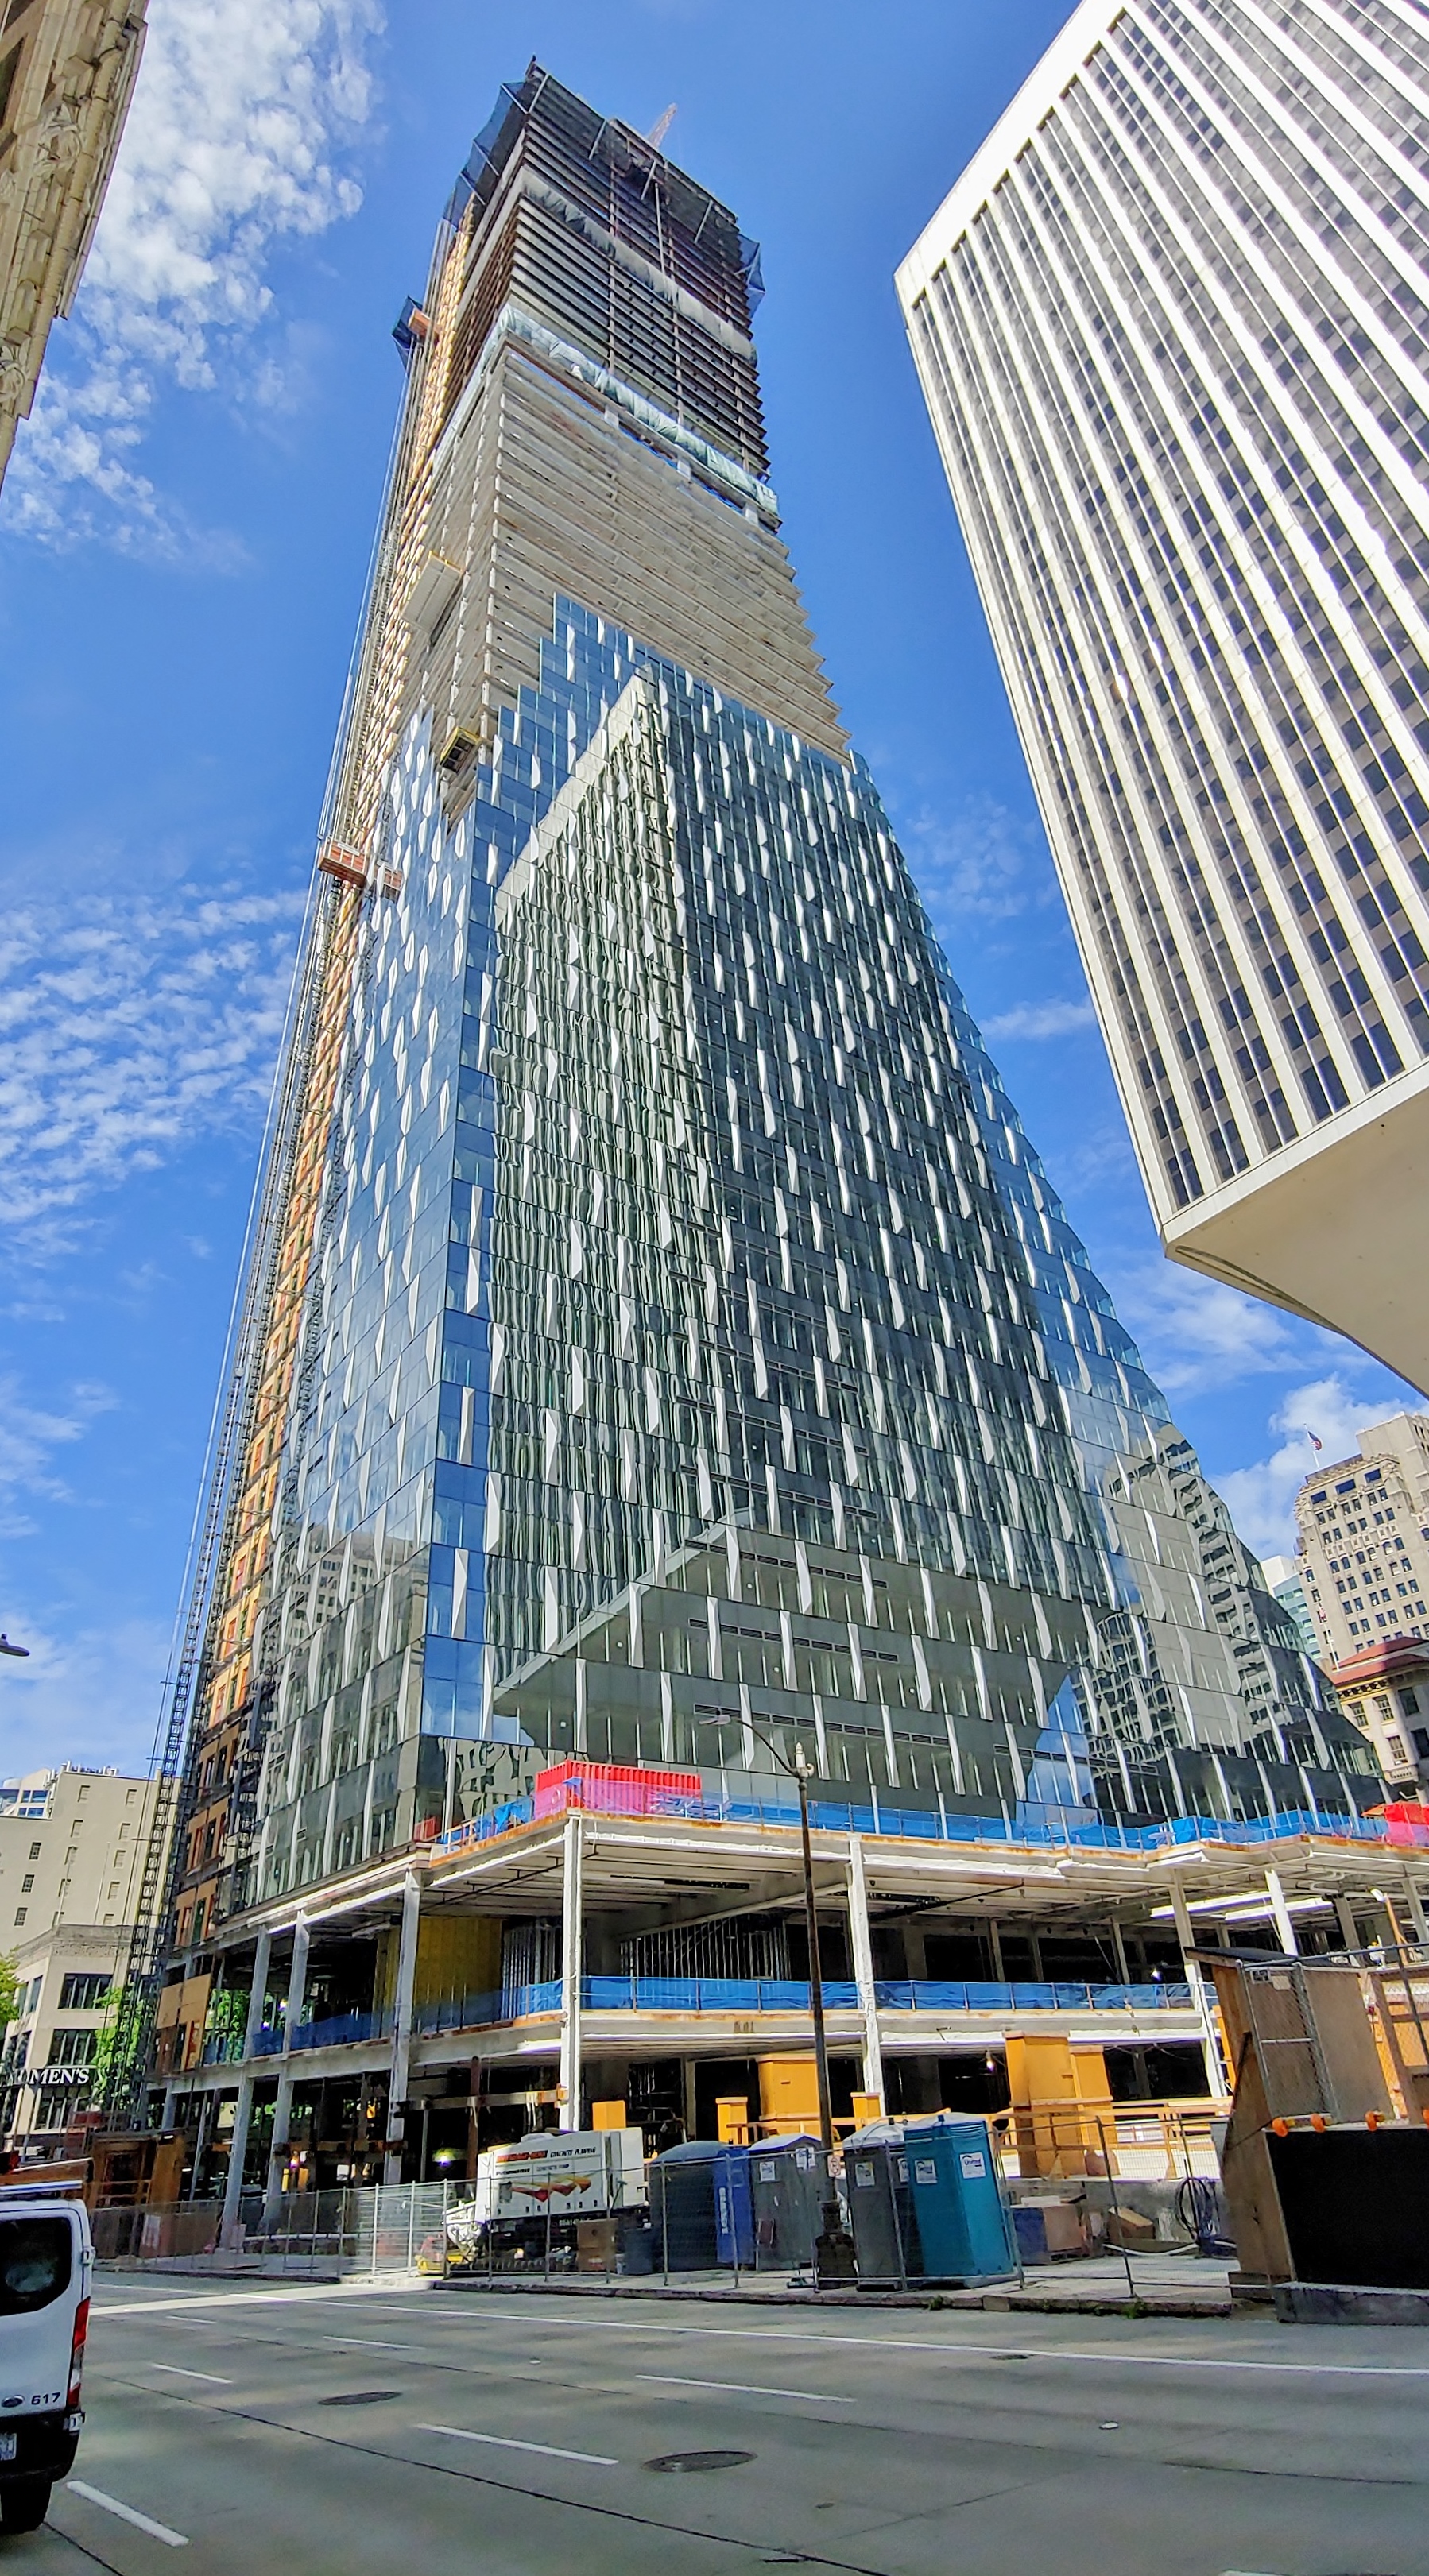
(984, 862)
(29, 1435)
(92, 1696)
(1199, 1337)
(234, 140)
(1261, 1497)
(1041, 1020)
(126, 1031)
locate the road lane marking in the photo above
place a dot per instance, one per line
(503, 2442)
(1127, 2357)
(171, 2370)
(126, 2513)
(325, 2295)
(742, 2388)
(365, 2343)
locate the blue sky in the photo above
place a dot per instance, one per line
(183, 540)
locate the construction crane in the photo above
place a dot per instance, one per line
(661, 126)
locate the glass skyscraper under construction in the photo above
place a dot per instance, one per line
(662, 1345)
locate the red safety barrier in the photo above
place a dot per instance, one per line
(615, 1789)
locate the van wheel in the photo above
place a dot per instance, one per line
(24, 2504)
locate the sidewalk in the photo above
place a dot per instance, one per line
(1165, 2285)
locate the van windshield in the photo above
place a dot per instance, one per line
(35, 2260)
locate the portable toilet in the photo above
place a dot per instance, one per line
(963, 2223)
(789, 2184)
(880, 2206)
(734, 2208)
(682, 2206)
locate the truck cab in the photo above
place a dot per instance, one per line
(46, 2260)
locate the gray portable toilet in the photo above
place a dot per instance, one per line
(789, 2185)
(880, 2206)
(682, 2207)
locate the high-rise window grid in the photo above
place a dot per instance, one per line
(1192, 483)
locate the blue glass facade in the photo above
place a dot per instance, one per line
(695, 1359)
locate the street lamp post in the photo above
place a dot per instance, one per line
(834, 2248)
(816, 1975)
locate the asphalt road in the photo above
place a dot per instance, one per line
(305, 2431)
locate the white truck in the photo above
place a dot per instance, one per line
(46, 2259)
(560, 2173)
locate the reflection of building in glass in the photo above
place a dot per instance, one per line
(1169, 328)
(1286, 1578)
(665, 1344)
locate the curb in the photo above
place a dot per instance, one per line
(1019, 2302)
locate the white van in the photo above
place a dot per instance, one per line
(45, 2262)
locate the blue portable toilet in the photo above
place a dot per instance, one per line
(964, 2226)
(734, 2208)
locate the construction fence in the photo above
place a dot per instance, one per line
(1082, 2183)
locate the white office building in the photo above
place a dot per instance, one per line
(1364, 1540)
(1173, 329)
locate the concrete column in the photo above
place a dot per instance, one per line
(1415, 1909)
(1218, 2075)
(243, 2109)
(207, 2104)
(402, 2022)
(171, 2104)
(1118, 1952)
(1345, 1917)
(570, 2077)
(282, 2108)
(1284, 1921)
(861, 1944)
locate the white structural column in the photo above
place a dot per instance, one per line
(402, 2022)
(1284, 1920)
(1416, 1908)
(1218, 2074)
(862, 1948)
(282, 2108)
(570, 2079)
(243, 2108)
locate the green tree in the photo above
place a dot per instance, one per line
(10, 1991)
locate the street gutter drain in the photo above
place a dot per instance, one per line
(362, 2397)
(683, 2463)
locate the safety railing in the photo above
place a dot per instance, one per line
(225, 2048)
(788, 1995)
(938, 1995)
(1059, 1829)
(339, 2030)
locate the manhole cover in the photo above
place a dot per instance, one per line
(684, 2463)
(362, 2397)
